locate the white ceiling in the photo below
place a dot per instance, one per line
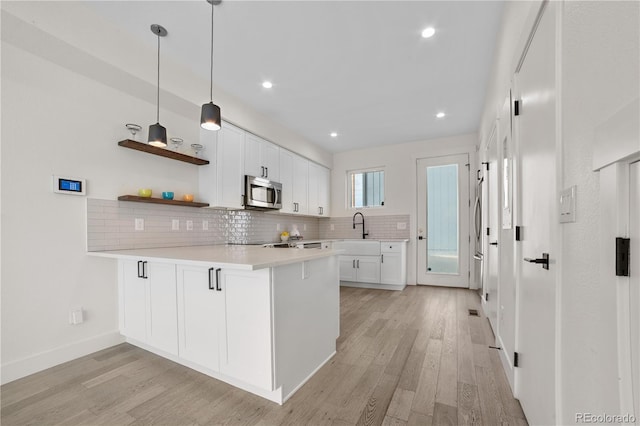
(359, 68)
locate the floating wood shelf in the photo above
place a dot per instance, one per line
(137, 199)
(138, 146)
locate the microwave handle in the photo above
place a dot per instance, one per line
(277, 197)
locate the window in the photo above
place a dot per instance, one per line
(365, 188)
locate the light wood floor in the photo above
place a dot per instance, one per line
(413, 357)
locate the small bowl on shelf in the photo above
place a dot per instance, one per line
(144, 192)
(187, 197)
(167, 195)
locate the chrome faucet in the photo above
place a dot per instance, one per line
(364, 234)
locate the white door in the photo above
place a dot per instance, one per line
(347, 268)
(443, 221)
(162, 329)
(368, 269)
(506, 308)
(492, 250)
(133, 300)
(634, 275)
(536, 133)
(391, 268)
(200, 313)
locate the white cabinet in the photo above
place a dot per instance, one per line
(148, 303)
(393, 262)
(318, 190)
(200, 311)
(261, 158)
(294, 176)
(364, 269)
(224, 322)
(222, 181)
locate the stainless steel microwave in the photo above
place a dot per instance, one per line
(262, 193)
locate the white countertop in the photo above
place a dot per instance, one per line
(224, 256)
(393, 240)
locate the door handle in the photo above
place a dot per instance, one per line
(420, 237)
(211, 279)
(495, 243)
(544, 261)
(382, 258)
(262, 175)
(266, 172)
(140, 269)
(353, 264)
(144, 270)
(218, 288)
(358, 264)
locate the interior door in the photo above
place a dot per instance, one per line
(536, 314)
(443, 221)
(492, 250)
(634, 285)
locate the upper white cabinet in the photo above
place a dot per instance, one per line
(294, 176)
(148, 303)
(261, 158)
(318, 190)
(222, 181)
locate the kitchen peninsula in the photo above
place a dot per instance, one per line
(264, 320)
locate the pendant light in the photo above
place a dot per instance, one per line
(210, 116)
(157, 132)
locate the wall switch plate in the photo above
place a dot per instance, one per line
(76, 316)
(304, 227)
(401, 225)
(139, 224)
(189, 225)
(175, 224)
(568, 205)
(333, 227)
(305, 270)
(205, 225)
(278, 228)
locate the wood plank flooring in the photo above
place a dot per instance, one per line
(414, 357)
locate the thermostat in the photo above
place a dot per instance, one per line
(69, 185)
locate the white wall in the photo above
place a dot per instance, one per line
(600, 45)
(399, 163)
(63, 110)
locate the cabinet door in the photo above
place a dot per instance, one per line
(246, 353)
(347, 268)
(368, 269)
(286, 178)
(300, 184)
(313, 185)
(391, 268)
(324, 187)
(253, 165)
(230, 166)
(162, 329)
(200, 310)
(270, 155)
(133, 300)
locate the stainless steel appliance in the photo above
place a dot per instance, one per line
(262, 194)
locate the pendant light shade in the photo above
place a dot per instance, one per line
(210, 116)
(157, 132)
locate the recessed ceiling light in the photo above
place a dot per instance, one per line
(428, 32)
(333, 134)
(440, 115)
(267, 84)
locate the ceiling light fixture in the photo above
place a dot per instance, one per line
(440, 115)
(428, 32)
(210, 116)
(157, 133)
(333, 134)
(267, 84)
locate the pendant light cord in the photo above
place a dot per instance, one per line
(158, 86)
(211, 82)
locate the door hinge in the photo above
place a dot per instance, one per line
(488, 231)
(623, 254)
(516, 362)
(518, 233)
(516, 107)
(486, 165)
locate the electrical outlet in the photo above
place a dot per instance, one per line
(175, 224)
(304, 227)
(76, 316)
(205, 225)
(189, 225)
(278, 227)
(139, 224)
(333, 227)
(401, 225)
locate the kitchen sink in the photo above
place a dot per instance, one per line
(358, 247)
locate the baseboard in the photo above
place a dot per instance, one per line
(18, 369)
(396, 287)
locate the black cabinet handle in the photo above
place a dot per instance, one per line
(218, 288)
(266, 172)
(140, 269)
(211, 287)
(495, 243)
(144, 270)
(262, 174)
(382, 258)
(544, 261)
(358, 264)
(354, 264)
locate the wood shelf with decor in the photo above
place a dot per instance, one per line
(139, 146)
(138, 199)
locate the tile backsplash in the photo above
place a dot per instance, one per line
(111, 226)
(378, 227)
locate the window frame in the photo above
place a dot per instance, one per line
(349, 189)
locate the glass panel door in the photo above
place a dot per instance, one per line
(442, 219)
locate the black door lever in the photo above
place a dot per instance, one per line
(544, 261)
(495, 243)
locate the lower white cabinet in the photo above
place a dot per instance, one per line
(375, 264)
(148, 303)
(393, 262)
(224, 322)
(363, 269)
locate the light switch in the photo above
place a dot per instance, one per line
(333, 227)
(568, 205)
(205, 225)
(175, 224)
(139, 224)
(189, 225)
(401, 225)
